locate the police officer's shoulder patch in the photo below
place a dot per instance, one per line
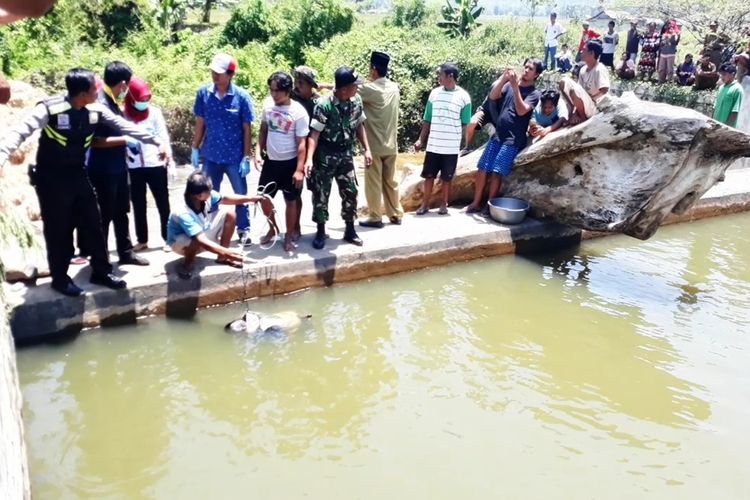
(97, 107)
(58, 107)
(93, 117)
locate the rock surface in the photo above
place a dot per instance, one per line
(624, 170)
(17, 196)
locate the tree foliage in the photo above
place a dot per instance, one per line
(171, 14)
(251, 21)
(535, 4)
(409, 13)
(309, 23)
(460, 19)
(289, 26)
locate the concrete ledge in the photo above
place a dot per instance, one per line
(420, 242)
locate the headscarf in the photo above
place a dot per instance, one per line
(138, 91)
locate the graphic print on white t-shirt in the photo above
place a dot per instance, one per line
(285, 124)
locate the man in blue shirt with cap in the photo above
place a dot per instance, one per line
(223, 133)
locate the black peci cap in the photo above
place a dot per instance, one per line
(380, 59)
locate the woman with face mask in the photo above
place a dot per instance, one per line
(145, 166)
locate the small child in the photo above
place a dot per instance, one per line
(626, 69)
(565, 59)
(549, 115)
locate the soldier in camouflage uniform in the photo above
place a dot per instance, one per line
(306, 88)
(337, 118)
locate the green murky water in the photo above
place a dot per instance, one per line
(619, 371)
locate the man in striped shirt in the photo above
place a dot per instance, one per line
(446, 115)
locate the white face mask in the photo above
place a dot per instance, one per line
(122, 94)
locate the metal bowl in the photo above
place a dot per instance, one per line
(508, 210)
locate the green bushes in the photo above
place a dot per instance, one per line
(249, 22)
(289, 26)
(409, 13)
(309, 23)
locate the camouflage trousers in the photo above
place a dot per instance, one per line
(328, 166)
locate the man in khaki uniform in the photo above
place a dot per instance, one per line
(380, 97)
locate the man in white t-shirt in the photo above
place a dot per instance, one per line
(610, 41)
(552, 32)
(446, 115)
(593, 84)
(281, 153)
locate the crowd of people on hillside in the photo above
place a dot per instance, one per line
(647, 53)
(104, 144)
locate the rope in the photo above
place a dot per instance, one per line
(246, 273)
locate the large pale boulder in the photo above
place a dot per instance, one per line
(19, 206)
(14, 181)
(624, 170)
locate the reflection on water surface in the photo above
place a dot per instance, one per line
(617, 370)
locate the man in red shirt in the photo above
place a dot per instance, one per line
(586, 35)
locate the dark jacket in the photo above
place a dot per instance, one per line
(110, 160)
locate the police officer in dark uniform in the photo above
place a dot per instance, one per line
(107, 165)
(66, 198)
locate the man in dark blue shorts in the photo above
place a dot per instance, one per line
(447, 112)
(516, 97)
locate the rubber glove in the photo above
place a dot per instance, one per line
(245, 166)
(133, 145)
(195, 157)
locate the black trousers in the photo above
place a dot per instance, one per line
(156, 180)
(67, 202)
(113, 196)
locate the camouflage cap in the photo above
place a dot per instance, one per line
(306, 73)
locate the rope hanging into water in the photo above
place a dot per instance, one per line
(268, 228)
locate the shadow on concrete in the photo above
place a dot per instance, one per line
(183, 294)
(526, 245)
(70, 309)
(121, 301)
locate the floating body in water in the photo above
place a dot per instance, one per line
(253, 322)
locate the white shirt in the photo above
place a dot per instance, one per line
(551, 32)
(594, 79)
(284, 124)
(610, 42)
(449, 111)
(155, 125)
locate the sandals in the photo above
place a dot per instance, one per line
(422, 210)
(268, 238)
(473, 210)
(443, 210)
(79, 260)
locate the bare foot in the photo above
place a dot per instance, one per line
(268, 238)
(289, 245)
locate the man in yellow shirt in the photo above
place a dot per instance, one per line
(380, 97)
